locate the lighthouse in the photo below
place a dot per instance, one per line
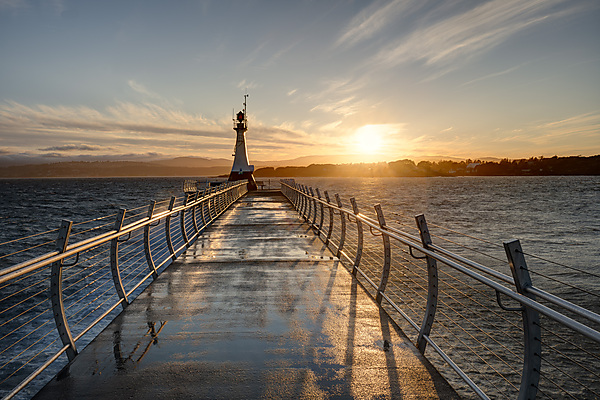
(241, 170)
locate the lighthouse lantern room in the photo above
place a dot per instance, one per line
(241, 170)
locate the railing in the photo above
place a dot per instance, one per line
(539, 346)
(89, 279)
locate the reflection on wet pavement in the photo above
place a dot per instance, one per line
(256, 308)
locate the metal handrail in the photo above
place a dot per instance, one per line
(413, 241)
(525, 293)
(221, 198)
(72, 249)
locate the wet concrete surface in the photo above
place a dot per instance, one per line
(256, 308)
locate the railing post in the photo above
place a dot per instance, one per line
(306, 203)
(532, 349)
(147, 250)
(387, 255)
(56, 297)
(432, 285)
(202, 208)
(343, 221)
(213, 208)
(301, 201)
(182, 221)
(194, 222)
(330, 230)
(321, 208)
(314, 207)
(168, 229)
(359, 245)
(114, 260)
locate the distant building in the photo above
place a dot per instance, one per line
(471, 167)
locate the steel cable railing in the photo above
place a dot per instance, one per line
(108, 267)
(502, 335)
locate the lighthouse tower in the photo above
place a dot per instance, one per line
(241, 170)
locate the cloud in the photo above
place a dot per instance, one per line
(291, 92)
(75, 147)
(247, 85)
(141, 89)
(345, 106)
(135, 128)
(331, 126)
(13, 4)
(59, 126)
(494, 75)
(455, 39)
(339, 96)
(373, 19)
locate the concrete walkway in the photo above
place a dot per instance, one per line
(256, 308)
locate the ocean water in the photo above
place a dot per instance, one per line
(557, 219)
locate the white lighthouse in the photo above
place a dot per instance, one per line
(241, 170)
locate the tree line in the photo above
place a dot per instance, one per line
(534, 166)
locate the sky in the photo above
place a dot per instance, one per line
(377, 80)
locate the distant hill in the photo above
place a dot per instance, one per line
(108, 169)
(198, 166)
(194, 162)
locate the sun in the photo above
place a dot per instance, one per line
(368, 139)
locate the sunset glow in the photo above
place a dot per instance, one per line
(104, 80)
(369, 138)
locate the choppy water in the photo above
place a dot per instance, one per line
(557, 218)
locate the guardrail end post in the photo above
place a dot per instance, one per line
(532, 349)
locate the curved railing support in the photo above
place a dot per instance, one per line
(305, 204)
(343, 221)
(321, 216)
(314, 207)
(56, 297)
(432, 285)
(330, 230)
(182, 221)
(147, 249)
(532, 349)
(194, 221)
(359, 244)
(202, 209)
(114, 260)
(387, 255)
(168, 229)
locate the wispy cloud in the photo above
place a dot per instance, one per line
(141, 89)
(58, 127)
(373, 19)
(338, 96)
(75, 147)
(456, 39)
(244, 84)
(493, 75)
(13, 4)
(129, 128)
(331, 126)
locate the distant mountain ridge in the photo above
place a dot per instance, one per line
(302, 166)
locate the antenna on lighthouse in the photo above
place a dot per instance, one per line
(245, 110)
